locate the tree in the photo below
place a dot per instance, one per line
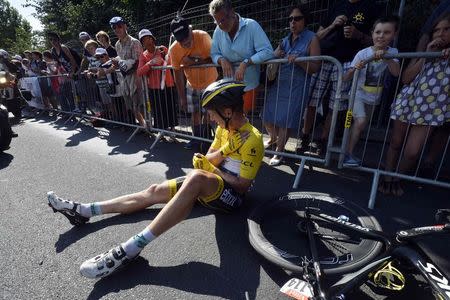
(15, 36)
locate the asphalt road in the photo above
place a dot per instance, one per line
(207, 256)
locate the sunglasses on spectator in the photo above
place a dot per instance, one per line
(295, 18)
(100, 56)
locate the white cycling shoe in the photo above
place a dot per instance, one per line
(105, 264)
(67, 208)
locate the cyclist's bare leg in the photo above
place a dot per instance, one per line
(156, 193)
(198, 183)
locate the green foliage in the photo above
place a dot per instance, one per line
(15, 36)
(69, 17)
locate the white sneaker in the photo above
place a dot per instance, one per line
(105, 264)
(67, 208)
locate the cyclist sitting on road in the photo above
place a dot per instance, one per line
(220, 180)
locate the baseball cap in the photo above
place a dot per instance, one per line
(145, 32)
(179, 27)
(17, 57)
(100, 51)
(84, 35)
(116, 20)
(4, 53)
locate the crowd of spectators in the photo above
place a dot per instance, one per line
(352, 32)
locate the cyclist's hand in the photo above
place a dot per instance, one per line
(199, 161)
(234, 143)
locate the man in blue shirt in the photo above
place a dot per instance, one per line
(238, 39)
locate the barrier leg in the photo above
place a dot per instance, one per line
(299, 174)
(373, 191)
(132, 135)
(79, 121)
(158, 137)
(69, 118)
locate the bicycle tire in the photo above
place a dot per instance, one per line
(289, 257)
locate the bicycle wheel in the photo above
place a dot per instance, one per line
(276, 232)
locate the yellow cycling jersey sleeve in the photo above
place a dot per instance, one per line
(216, 144)
(251, 153)
(246, 161)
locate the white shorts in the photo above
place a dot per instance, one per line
(362, 109)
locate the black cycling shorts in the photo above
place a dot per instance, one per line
(224, 199)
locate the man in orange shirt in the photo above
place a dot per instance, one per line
(192, 47)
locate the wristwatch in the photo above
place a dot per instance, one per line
(246, 61)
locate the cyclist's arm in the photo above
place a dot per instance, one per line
(239, 184)
(214, 156)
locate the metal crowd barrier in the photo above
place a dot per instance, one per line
(376, 167)
(84, 98)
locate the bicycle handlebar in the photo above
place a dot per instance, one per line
(403, 235)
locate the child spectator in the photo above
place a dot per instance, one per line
(91, 47)
(421, 106)
(107, 83)
(370, 80)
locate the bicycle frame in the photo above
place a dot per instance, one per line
(396, 248)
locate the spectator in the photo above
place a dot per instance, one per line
(103, 39)
(371, 79)
(345, 31)
(440, 133)
(27, 68)
(20, 72)
(128, 51)
(420, 107)
(39, 67)
(238, 39)
(27, 55)
(18, 62)
(286, 102)
(53, 68)
(86, 57)
(192, 47)
(106, 83)
(64, 56)
(37, 64)
(86, 89)
(62, 53)
(160, 83)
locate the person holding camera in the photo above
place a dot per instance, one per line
(344, 32)
(128, 51)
